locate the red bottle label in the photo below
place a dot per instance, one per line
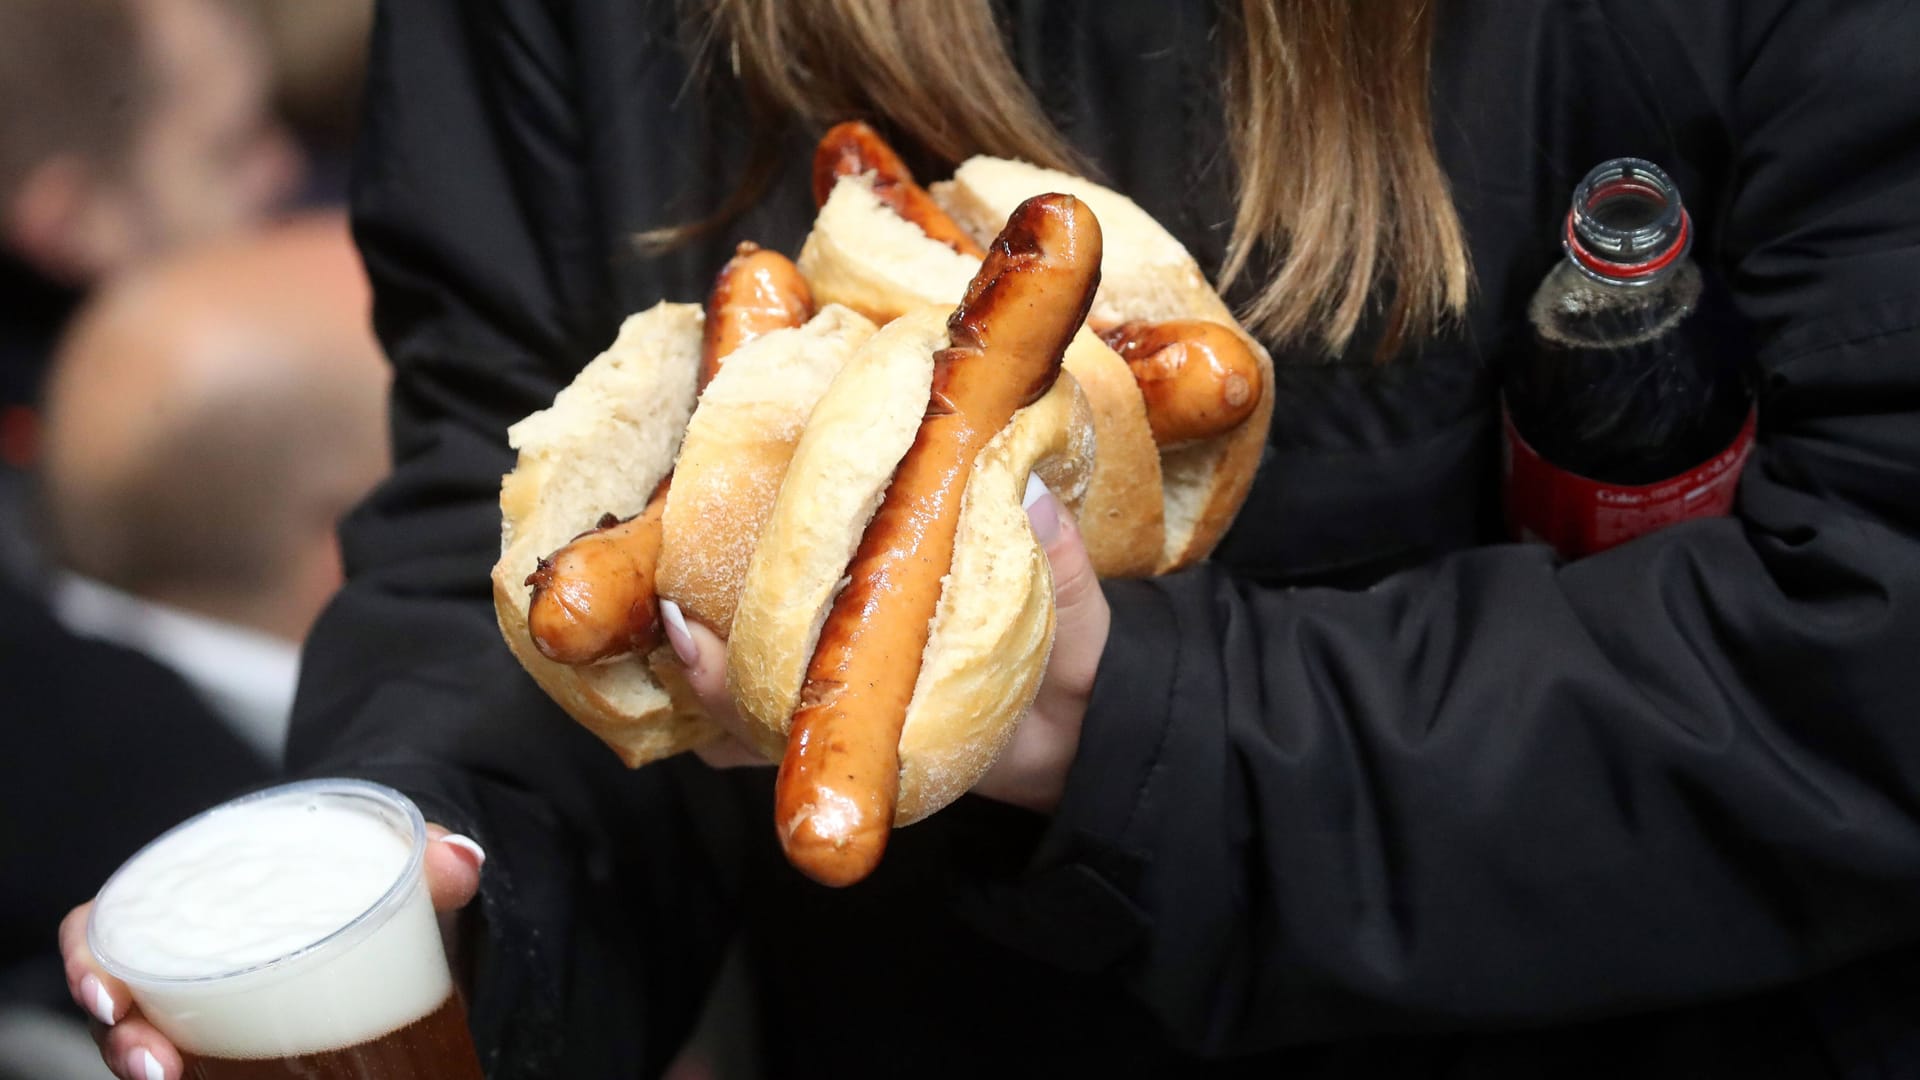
(1578, 516)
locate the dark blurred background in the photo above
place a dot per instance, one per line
(190, 398)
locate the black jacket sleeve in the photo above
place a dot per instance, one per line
(1499, 789)
(472, 209)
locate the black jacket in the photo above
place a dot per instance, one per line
(1370, 793)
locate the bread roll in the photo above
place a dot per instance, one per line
(600, 448)
(863, 255)
(605, 443)
(735, 454)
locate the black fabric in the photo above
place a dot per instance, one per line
(33, 310)
(105, 750)
(1371, 793)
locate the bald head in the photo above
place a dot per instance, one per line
(209, 420)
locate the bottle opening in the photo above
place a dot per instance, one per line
(1627, 207)
(1627, 225)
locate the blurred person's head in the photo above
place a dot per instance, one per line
(132, 127)
(319, 54)
(210, 418)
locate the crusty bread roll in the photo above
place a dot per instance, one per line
(600, 448)
(863, 254)
(1122, 521)
(1149, 276)
(993, 629)
(603, 445)
(735, 454)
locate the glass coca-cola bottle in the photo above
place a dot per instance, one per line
(1623, 414)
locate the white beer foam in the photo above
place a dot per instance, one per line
(208, 925)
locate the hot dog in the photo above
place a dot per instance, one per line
(854, 149)
(607, 441)
(1199, 379)
(601, 447)
(1174, 466)
(595, 598)
(1185, 402)
(735, 455)
(834, 800)
(864, 254)
(1149, 278)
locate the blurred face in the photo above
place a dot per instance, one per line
(210, 159)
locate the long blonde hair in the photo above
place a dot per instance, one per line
(1337, 182)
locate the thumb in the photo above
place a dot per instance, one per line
(453, 869)
(703, 658)
(1080, 608)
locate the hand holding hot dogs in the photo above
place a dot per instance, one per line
(839, 563)
(1032, 771)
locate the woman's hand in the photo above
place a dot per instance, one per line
(1032, 771)
(135, 1050)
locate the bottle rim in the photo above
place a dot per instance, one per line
(1642, 253)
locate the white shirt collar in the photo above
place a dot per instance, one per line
(245, 675)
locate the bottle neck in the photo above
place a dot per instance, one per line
(1627, 226)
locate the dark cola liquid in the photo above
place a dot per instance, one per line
(434, 1047)
(1626, 386)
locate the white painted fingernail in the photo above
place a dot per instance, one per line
(1035, 488)
(677, 636)
(97, 998)
(1043, 515)
(148, 1065)
(465, 843)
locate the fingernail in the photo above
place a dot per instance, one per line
(97, 998)
(466, 844)
(146, 1065)
(683, 646)
(1043, 511)
(1036, 487)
